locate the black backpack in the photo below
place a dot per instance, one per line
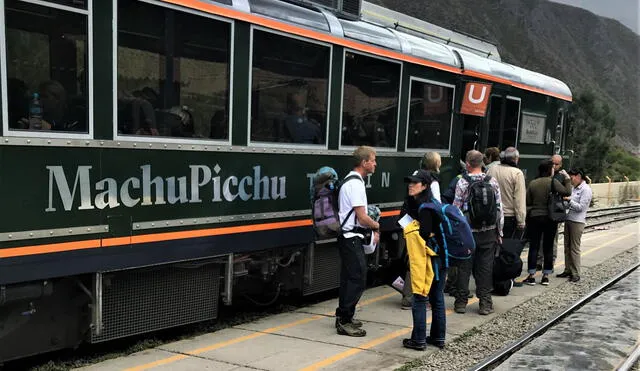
(482, 206)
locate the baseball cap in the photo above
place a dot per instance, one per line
(419, 176)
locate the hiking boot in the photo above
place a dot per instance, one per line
(349, 329)
(354, 322)
(406, 303)
(411, 344)
(460, 309)
(485, 310)
(431, 341)
(545, 280)
(574, 279)
(531, 281)
(564, 274)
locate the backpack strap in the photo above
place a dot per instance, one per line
(344, 181)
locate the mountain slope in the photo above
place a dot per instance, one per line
(585, 51)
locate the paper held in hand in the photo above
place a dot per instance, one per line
(405, 220)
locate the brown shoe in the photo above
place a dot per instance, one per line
(349, 329)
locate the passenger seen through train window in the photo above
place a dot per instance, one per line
(370, 102)
(173, 73)
(289, 89)
(47, 68)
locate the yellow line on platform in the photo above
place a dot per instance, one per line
(260, 333)
(368, 345)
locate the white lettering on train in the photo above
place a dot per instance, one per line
(145, 190)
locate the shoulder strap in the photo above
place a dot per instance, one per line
(487, 178)
(345, 180)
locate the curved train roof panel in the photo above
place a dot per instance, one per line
(290, 13)
(425, 30)
(429, 50)
(516, 75)
(370, 33)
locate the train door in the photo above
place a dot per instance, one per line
(472, 127)
(504, 121)
(473, 110)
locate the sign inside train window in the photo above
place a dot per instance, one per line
(532, 128)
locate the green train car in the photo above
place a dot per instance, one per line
(156, 155)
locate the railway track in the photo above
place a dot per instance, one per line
(502, 355)
(604, 216)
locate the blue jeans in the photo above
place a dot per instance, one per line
(438, 316)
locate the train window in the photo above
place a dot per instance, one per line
(47, 67)
(511, 122)
(503, 122)
(495, 119)
(430, 114)
(289, 89)
(173, 73)
(370, 101)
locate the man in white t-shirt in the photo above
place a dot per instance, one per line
(355, 222)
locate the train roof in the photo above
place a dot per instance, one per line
(395, 32)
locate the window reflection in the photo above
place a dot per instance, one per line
(429, 115)
(46, 68)
(370, 102)
(289, 89)
(173, 73)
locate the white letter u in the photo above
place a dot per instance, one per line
(479, 100)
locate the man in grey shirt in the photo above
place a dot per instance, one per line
(574, 224)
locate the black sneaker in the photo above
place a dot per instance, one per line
(564, 274)
(531, 281)
(408, 343)
(431, 341)
(544, 281)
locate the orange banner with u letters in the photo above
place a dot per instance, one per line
(476, 99)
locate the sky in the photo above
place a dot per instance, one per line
(625, 11)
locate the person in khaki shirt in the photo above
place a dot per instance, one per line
(512, 186)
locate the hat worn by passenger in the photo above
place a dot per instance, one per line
(419, 176)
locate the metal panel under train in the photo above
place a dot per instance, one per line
(155, 298)
(322, 268)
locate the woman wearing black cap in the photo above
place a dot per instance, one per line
(419, 193)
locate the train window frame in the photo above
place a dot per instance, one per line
(344, 62)
(446, 152)
(559, 132)
(169, 139)
(513, 97)
(8, 132)
(262, 144)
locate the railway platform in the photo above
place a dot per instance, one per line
(306, 338)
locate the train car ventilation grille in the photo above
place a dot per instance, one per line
(149, 299)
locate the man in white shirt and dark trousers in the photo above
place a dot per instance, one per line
(355, 222)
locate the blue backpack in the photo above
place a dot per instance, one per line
(455, 229)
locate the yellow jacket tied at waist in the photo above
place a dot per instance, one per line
(419, 259)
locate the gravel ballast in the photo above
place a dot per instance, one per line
(482, 341)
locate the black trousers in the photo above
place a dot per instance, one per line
(481, 265)
(545, 229)
(353, 277)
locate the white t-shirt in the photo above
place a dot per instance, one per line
(435, 190)
(352, 194)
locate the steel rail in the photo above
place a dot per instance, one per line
(500, 356)
(631, 360)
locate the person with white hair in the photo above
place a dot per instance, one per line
(513, 192)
